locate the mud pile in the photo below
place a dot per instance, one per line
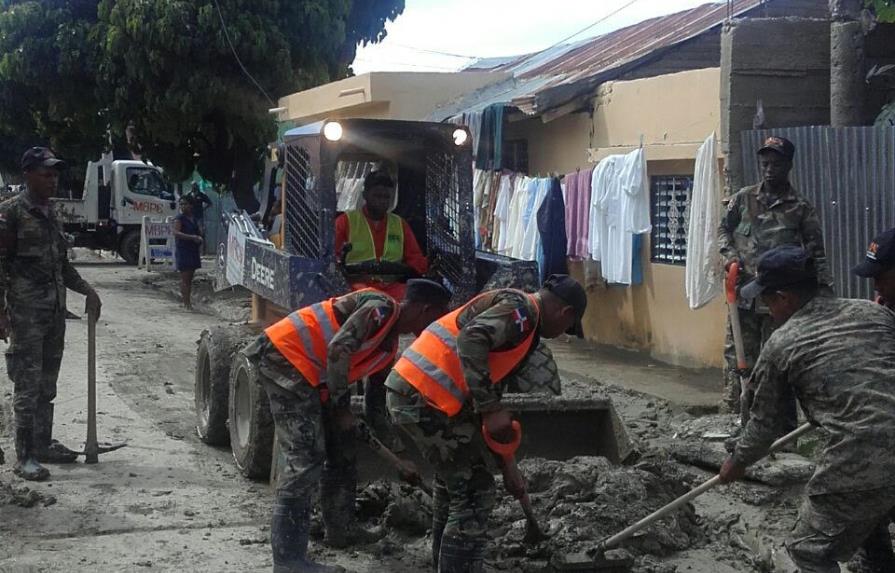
(23, 496)
(578, 502)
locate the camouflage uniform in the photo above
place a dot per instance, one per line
(464, 484)
(756, 221)
(315, 449)
(34, 274)
(839, 357)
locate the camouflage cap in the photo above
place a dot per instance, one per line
(880, 256)
(781, 267)
(780, 145)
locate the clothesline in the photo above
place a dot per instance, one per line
(594, 215)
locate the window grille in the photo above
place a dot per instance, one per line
(302, 205)
(670, 210)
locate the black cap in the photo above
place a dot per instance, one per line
(880, 256)
(378, 178)
(426, 291)
(779, 268)
(572, 293)
(781, 145)
(40, 157)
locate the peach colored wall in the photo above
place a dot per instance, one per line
(674, 113)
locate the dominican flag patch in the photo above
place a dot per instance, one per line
(520, 319)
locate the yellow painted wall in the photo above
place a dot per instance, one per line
(382, 95)
(674, 113)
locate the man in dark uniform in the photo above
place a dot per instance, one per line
(449, 384)
(838, 356)
(757, 219)
(306, 363)
(876, 555)
(34, 275)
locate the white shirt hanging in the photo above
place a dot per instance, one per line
(703, 276)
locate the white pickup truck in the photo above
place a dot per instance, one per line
(117, 195)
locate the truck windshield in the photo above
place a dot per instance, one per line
(147, 181)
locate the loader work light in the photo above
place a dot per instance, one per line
(460, 136)
(332, 131)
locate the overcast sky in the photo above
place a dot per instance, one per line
(487, 28)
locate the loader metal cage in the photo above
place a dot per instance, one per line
(434, 182)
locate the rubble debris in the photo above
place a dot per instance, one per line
(23, 496)
(579, 501)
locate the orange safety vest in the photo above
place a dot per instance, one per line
(432, 364)
(303, 339)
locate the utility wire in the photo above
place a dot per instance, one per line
(437, 52)
(588, 27)
(236, 55)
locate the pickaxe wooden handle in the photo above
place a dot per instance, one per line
(91, 447)
(691, 495)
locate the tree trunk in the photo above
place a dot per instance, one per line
(847, 86)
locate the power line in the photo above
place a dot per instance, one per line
(585, 29)
(235, 55)
(409, 64)
(437, 52)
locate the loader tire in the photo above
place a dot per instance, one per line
(251, 424)
(211, 391)
(538, 374)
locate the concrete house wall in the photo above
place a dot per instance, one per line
(674, 113)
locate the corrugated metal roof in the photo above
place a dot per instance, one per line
(596, 59)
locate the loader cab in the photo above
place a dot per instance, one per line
(324, 165)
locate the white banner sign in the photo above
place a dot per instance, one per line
(157, 245)
(236, 250)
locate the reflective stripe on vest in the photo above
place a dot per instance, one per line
(363, 247)
(303, 339)
(432, 364)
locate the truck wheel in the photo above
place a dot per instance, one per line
(212, 388)
(538, 375)
(129, 247)
(251, 424)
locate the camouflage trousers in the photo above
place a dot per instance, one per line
(315, 451)
(37, 340)
(464, 483)
(756, 329)
(831, 527)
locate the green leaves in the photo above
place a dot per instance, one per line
(884, 9)
(71, 68)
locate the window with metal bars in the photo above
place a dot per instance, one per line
(670, 209)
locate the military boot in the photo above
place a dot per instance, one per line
(459, 556)
(49, 451)
(337, 500)
(289, 531)
(27, 467)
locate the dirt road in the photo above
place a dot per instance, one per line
(166, 502)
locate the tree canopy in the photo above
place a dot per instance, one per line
(194, 77)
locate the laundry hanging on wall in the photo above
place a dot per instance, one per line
(514, 218)
(619, 210)
(577, 198)
(703, 276)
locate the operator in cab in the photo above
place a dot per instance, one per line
(377, 248)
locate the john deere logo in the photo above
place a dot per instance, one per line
(773, 141)
(871, 251)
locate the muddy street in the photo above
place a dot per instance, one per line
(168, 502)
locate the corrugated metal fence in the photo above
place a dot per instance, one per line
(848, 174)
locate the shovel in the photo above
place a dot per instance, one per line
(730, 287)
(533, 532)
(407, 474)
(92, 448)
